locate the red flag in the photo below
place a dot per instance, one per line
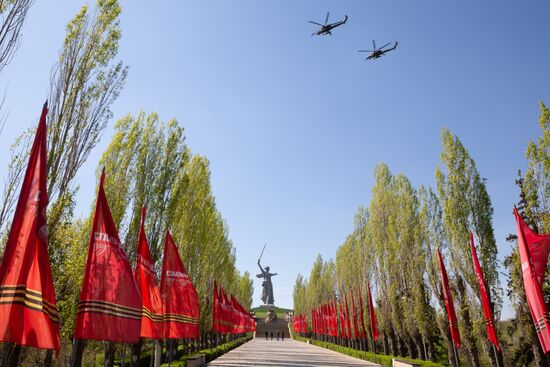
(28, 312)
(147, 281)
(348, 320)
(180, 301)
(489, 321)
(372, 315)
(533, 252)
(342, 320)
(228, 313)
(449, 305)
(363, 331)
(335, 317)
(110, 304)
(239, 317)
(356, 332)
(217, 321)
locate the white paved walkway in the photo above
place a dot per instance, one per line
(291, 353)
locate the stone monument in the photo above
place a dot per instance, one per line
(267, 285)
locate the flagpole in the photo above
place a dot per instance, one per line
(456, 355)
(497, 356)
(76, 355)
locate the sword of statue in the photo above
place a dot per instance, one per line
(262, 253)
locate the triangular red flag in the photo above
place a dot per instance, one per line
(356, 332)
(372, 315)
(348, 319)
(363, 331)
(342, 320)
(217, 321)
(148, 283)
(449, 305)
(28, 312)
(488, 313)
(110, 303)
(533, 252)
(180, 301)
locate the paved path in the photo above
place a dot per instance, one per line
(291, 353)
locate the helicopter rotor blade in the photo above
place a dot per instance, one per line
(314, 33)
(373, 45)
(326, 19)
(319, 24)
(385, 45)
(365, 51)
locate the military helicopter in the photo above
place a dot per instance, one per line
(378, 52)
(326, 28)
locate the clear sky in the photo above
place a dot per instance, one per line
(293, 125)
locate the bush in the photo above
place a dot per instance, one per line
(181, 360)
(381, 359)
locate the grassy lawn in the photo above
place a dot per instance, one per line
(262, 311)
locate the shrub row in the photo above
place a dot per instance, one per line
(381, 359)
(211, 354)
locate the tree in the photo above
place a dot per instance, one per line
(13, 14)
(536, 186)
(467, 206)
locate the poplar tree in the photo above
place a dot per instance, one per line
(12, 17)
(467, 206)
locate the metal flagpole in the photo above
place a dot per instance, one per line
(456, 355)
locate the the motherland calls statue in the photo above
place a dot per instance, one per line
(267, 286)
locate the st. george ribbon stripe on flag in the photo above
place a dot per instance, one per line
(19, 294)
(180, 318)
(109, 308)
(152, 316)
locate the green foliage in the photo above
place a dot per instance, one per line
(147, 163)
(384, 360)
(537, 178)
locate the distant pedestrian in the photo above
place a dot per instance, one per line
(277, 334)
(283, 335)
(266, 335)
(272, 335)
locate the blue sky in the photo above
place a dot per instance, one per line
(293, 125)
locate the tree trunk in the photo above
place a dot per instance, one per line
(158, 353)
(385, 345)
(469, 338)
(76, 355)
(136, 353)
(109, 357)
(48, 358)
(10, 355)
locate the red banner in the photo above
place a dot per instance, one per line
(348, 320)
(342, 320)
(28, 312)
(363, 330)
(147, 281)
(533, 252)
(489, 321)
(356, 332)
(372, 315)
(110, 304)
(217, 311)
(449, 305)
(180, 301)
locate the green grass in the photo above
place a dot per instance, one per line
(262, 311)
(381, 359)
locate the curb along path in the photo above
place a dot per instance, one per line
(291, 353)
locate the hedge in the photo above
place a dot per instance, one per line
(381, 359)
